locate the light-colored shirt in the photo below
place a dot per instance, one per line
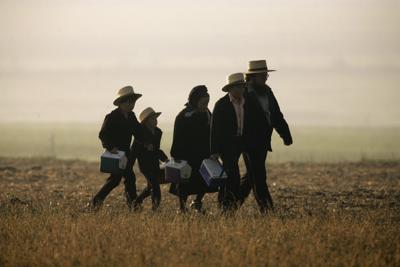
(239, 110)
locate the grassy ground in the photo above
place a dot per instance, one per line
(338, 214)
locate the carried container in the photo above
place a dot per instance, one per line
(177, 171)
(213, 173)
(113, 163)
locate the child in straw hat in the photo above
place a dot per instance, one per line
(149, 156)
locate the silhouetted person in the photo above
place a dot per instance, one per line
(149, 155)
(191, 142)
(265, 116)
(116, 134)
(228, 137)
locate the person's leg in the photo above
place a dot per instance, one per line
(143, 195)
(197, 203)
(221, 196)
(269, 197)
(156, 196)
(154, 182)
(246, 183)
(259, 180)
(130, 182)
(199, 185)
(245, 188)
(160, 177)
(112, 182)
(232, 186)
(182, 197)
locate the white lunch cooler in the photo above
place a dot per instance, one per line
(213, 173)
(177, 171)
(113, 163)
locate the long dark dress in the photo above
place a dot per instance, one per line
(191, 142)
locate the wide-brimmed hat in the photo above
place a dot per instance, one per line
(233, 79)
(125, 92)
(258, 66)
(147, 113)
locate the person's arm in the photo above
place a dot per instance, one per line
(179, 139)
(138, 132)
(138, 148)
(278, 121)
(160, 154)
(216, 130)
(106, 134)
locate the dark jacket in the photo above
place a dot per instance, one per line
(117, 130)
(224, 125)
(259, 128)
(191, 142)
(191, 136)
(149, 161)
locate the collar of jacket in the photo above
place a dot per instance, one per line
(189, 111)
(258, 89)
(148, 131)
(120, 112)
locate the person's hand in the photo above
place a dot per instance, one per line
(288, 142)
(149, 147)
(214, 156)
(114, 150)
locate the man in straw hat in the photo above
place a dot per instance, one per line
(265, 117)
(116, 134)
(228, 133)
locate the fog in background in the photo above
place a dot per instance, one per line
(338, 61)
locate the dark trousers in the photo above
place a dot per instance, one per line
(152, 189)
(114, 180)
(257, 175)
(230, 193)
(244, 191)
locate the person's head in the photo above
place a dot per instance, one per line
(202, 104)
(236, 85)
(148, 117)
(127, 103)
(126, 98)
(151, 122)
(257, 72)
(199, 98)
(257, 78)
(237, 90)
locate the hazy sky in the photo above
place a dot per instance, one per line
(338, 61)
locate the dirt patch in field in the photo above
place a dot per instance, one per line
(313, 187)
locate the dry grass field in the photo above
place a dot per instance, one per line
(336, 214)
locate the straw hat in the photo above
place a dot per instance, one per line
(258, 66)
(233, 79)
(148, 112)
(125, 92)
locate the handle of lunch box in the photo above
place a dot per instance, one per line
(222, 167)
